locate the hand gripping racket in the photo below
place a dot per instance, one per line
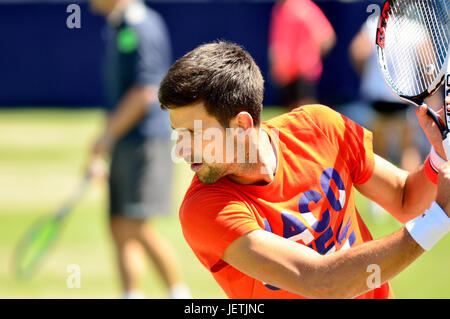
(413, 53)
(38, 239)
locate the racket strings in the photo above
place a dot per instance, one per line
(426, 51)
(424, 55)
(398, 44)
(417, 38)
(436, 32)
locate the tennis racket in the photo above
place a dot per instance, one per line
(38, 239)
(413, 53)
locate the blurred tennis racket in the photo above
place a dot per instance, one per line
(413, 52)
(38, 239)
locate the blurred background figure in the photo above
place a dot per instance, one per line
(299, 37)
(396, 132)
(136, 138)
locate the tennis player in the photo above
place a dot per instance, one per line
(285, 225)
(136, 138)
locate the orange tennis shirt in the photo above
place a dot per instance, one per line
(321, 155)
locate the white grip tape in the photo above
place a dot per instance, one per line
(446, 145)
(430, 227)
(435, 160)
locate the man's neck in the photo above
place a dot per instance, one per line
(115, 16)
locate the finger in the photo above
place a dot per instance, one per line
(430, 128)
(440, 115)
(425, 120)
(445, 168)
(421, 111)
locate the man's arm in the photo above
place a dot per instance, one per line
(132, 107)
(299, 269)
(404, 195)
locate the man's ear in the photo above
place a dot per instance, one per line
(242, 120)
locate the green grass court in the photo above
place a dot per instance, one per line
(42, 154)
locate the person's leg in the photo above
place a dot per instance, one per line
(125, 207)
(130, 235)
(410, 157)
(163, 256)
(125, 246)
(387, 128)
(128, 251)
(155, 191)
(299, 93)
(140, 187)
(378, 127)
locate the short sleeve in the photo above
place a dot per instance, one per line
(153, 56)
(211, 220)
(354, 142)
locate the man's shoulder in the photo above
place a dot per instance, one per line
(314, 110)
(200, 192)
(303, 117)
(151, 33)
(140, 17)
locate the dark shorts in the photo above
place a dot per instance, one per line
(140, 181)
(298, 90)
(389, 107)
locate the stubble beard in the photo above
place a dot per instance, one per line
(210, 174)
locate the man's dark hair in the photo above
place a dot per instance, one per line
(222, 75)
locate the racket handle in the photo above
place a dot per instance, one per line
(447, 77)
(447, 83)
(70, 203)
(446, 145)
(446, 141)
(443, 130)
(438, 122)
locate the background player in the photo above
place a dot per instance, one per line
(390, 121)
(137, 137)
(300, 35)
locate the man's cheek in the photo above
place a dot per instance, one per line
(211, 153)
(213, 146)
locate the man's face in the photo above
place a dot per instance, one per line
(203, 142)
(102, 6)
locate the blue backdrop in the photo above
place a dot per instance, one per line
(43, 63)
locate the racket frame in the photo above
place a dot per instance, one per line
(419, 99)
(446, 142)
(56, 218)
